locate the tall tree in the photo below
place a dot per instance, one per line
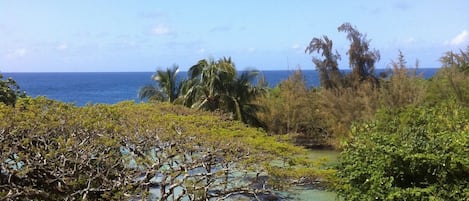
(329, 73)
(241, 95)
(362, 59)
(168, 86)
(210, 79)
(215, 85)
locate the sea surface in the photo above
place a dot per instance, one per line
(113, 87)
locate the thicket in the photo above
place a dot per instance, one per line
(322, 116)
(55, 151)
(452, 80)
(416, 146)
(411, 153)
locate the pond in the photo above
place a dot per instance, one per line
(299, 193)
(307, 194)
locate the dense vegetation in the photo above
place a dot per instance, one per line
(216, 134)
(413, 153)
(56, 151)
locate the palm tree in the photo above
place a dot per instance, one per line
(167, 88)
(240, 98)
(210, 79)
(214, 85)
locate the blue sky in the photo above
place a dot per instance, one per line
(144, 35)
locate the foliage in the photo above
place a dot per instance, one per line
(452, 80)
(291, 108)
(168, 87)
(342, 106)
(404, 87)
(339, 107)
(413, 153)
(216, 85)
(361, 58)
(55, 151)
(211, 85)
(9, 91)
(328, 68)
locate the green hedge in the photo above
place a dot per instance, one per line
(408, 154)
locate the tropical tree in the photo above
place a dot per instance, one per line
(9, 91)
(215, 85)
(329, 73)
(361, 58)
(240, 98)
(452, 80)
(168, 86)
(210, 81)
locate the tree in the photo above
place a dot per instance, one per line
(215, 85)
(211, 79)
(404, 86)
(9, 91)
(241, 96)
(452, 80)
(412, 153)
(361, 58)
(329, 73)
(56, 151)
(168, 86)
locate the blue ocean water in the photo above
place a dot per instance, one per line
(113, 87)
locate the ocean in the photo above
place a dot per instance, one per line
(113, 87)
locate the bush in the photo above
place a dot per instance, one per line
(408, 154)
(292, 108)
(452, 80)
(55, 151)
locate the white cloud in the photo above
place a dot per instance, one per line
(296, 46)
(460, 38)
(251, 50)
(201, 51)
(409, 40)
(160, 29)
(20, 52)
(62, 47)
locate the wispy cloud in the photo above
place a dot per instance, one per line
(409, 40)
(160, 30)
(20, 52)
(62, 47)
(221, 29)
(295, 46)
(298, 48)
(461, 38)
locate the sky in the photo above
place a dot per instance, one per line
(146, 35)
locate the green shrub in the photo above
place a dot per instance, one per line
(55, 151)
(408, 154)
